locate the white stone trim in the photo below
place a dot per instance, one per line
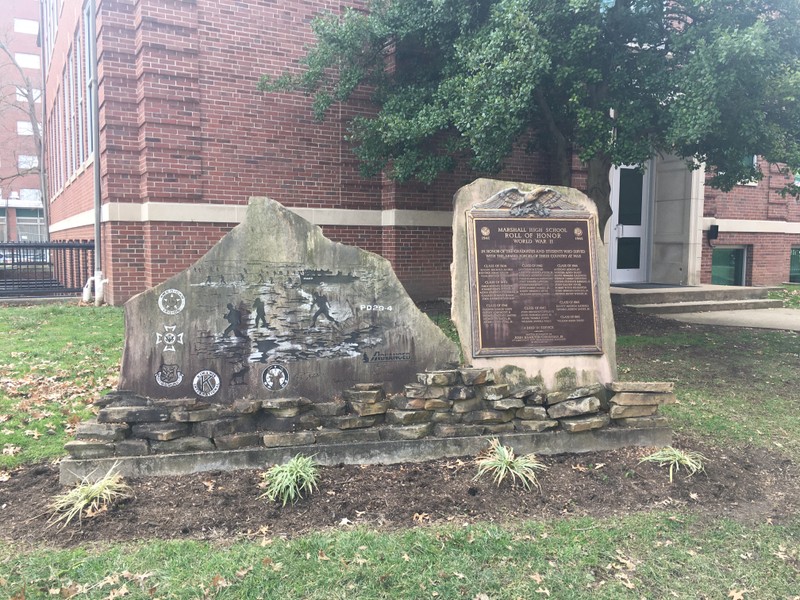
(83, 219)
(751, 226)
(128, 212)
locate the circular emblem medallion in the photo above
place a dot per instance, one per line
(578, 232)
(485, 231)
(171, 301)
(206, 383)
(275, 377)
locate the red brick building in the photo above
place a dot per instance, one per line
(21, 210)
(185, 139)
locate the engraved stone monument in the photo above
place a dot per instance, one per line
(530, 285)
(276, 310)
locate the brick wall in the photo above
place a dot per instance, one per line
(182, 121)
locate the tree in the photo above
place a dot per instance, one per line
(712, 81)
(18, 93)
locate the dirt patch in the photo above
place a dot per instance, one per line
(745, 483)
(748, 484)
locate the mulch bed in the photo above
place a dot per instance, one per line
(750, 485)
(744, 483)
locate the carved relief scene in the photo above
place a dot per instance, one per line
(277, 309)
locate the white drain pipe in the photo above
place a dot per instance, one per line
(87, 290)
(99, 288)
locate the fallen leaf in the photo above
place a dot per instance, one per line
(322, 556)
(736, 594)
(544, 591)
(460, 575)
(210, 485)
(5, 475)
(421, 517)
(537, 578)
(11, 450)
(219, 582)
(118, 593)
(345, 522)
(242, 573)
(406, 558)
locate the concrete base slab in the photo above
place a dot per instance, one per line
(383, 452)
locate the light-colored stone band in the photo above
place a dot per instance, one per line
(234, 213)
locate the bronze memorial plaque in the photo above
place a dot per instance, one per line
(533, 285)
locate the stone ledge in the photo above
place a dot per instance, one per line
(385, 452)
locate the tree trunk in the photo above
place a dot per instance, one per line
(599, 189)
(560, 162)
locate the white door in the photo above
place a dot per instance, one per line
(628, 239)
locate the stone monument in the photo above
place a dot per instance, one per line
(275, 310)
(280, 341)
(530, 285)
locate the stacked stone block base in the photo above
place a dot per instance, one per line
(441, 404)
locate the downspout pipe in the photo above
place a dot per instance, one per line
(99, 280)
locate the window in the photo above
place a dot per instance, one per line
(24, 128)
(26, 26)
(27, 161)
(3, 225)
(30, 195)
(750, 161)
(22, 94)
(728, 266)
(794, 265)
(30, 225)
(88, 38)
(28, 61)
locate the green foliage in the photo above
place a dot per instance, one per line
(501, 462)
(675, 459)
(88, 498)
(709, 80)
(288, 482)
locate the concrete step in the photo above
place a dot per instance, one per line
(674, 295)
(704, 306)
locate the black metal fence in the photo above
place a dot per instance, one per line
(45, 268)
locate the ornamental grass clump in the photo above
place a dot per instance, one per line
(691, 461)
(288, 482)
(501, 462)
(88, 498)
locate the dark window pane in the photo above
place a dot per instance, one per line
(794, 266)
(727, 266)
(628, 253)
(630, 196)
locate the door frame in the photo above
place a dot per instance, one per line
(642, 274)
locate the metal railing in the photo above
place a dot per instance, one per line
(45, 268)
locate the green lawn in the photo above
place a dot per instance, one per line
(54, 359)
(734, 387)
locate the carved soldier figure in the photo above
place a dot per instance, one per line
(323, 310)
(261, 316)
(234, 318)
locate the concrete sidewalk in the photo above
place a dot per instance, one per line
(764, 318)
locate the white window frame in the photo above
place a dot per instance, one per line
(24, 128)
(30, 194)
(26, 26)
(22, 94)
(27, 161)
(28, 61)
